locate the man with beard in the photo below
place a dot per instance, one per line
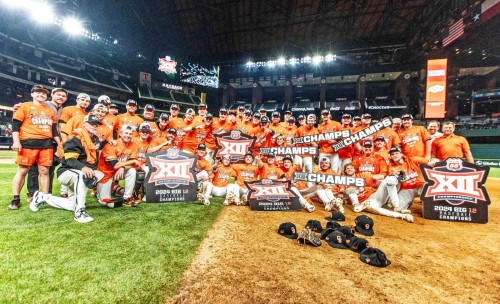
(222, 124)
(345, 154)
(82, 103)
(162, 124)
(130, 119)
(191, 129)
(220, 185)
(262, 135)
(451, 145)
(202, 170)
(247, 172)
(325, 146)
(109, 119)
(327, 192)
(149, 118)
(306, 161)
(163, 143)
(415, 140)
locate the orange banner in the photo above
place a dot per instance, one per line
(435, 97)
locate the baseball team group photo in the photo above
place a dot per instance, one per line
(142, 172)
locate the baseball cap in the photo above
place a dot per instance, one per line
(256, 114)
(346, 115)
(262, 110)
(83, 96)
(39, 88)
(190, 111)
(311, 116)
(325, 159)
(164, 116)
(223, 110)
(291, 118)
(326, 232)
(92, 119)
(288, 112)
(325, 111)
(104, 99)
(201, 147)
(174, 107)
(367, 143)
(264, 119)
(357, 244)
(276, 113)
(127, 128)
(131, 101)
(202, 105)
(347, 231)
(99, 106)
(333, 225)
(385, 116)
(232, 113)
(374, 257)
(314, 225)
(337, 239)
(287, 156)
(405, 116)
(380, 137)
(249, 153)
(301, 116)
(149, 107)
(113, 106)
(366, 115)
(144, 127)
(209, 116)
(394, 149)
(356, 118)
(248, 112)
(270, 155)
(288, 230)
(54, 90)
(241, 108)
(336, 216)
(172, 130)
(364, 225)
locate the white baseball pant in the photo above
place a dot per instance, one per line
(104, 190)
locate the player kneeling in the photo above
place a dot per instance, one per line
(247, 172)
(202, 169)
(77, 171)
(220, 185)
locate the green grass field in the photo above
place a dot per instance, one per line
(127, 255)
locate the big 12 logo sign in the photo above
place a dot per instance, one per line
(171, 176)
(271, 195)
(235, 144)
(454, 192)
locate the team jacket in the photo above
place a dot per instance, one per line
(80, 150)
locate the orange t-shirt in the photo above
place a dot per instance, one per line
(347, 151)
(324, 145)
(276, 128)
(142, 148)
(223, 176)
(37, 121)
(192, 138)
(202, 164)
(373, 164)
(413, 141)
(262, 139)
(73, 123)
(271, 172)
(127, 120)
(159, 140)
(71, 111)
(391, 137)
(414, 177)
(453, 146)
(120, 152)
(246, 173)
(220, 127)
(109, 120)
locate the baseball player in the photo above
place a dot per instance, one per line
(306, 161)
(451, 145)
(415, 140)
(288, 114)
(34, 125)
(247, 172)
(117, 163)
(220, 186)
(241, 114)
(202, 113)
(162, 124)
(262, 135)
(288, 169)
(194, 132)
(82, 103)
(109, 119)
(79, 164)
(390, 136)
(327, 192)
(149, 117)
(130, 119)
(202, 170)
(325, 147)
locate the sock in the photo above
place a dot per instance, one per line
(17, 197)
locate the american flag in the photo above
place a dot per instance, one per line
(453, 32)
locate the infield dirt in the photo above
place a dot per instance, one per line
(244, 260)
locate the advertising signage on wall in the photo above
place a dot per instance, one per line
(435, 96)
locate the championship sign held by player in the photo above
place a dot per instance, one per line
(454, 192)
(329, 179)
(235, 144)
(362, 134)
(271, 195)
(171, 177)
(290, 150)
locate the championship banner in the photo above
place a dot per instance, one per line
(290, 150)
(361, 134)
(454, 192)
(435, 94)
(322, 136)
(329, 179)
(270, 195)
(171, 177)
(234, 143)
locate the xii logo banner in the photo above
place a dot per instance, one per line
(454, 192)
(171, 176)
(270, 195)
(235, 144)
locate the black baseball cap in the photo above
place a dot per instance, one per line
(263, 110)
(248, 112)
(165, 116)
(326, 232)
(357, 244)
(201, 147)
(348, 231)
(104, 99)
(385, 116)
(356, 118)
(209, 116)
(223, 110)
(288, 112)
(333, 225)
(337, 239)
(264, 119)
(287, 156)
(241, 108)
(394, 149)
(202, 105)
(374, 257)
(346, 115)
(174, 106)
(113, 106)
(249, 153)
(314, 225)
(276, 113)
(325, 111)
(301, 116)
(291, 118)
(288, 230)
(366, 115)
(172, 130)
(40, 88)
(364, 225)
(380, 137)
(131, 101)
(149, 107)
(367, 143)
(92, 119)
(405, 116)
(270, 155)
(336, 216)
(256, 114)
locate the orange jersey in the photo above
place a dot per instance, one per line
(414, 177)
(155, 131)
(179, 125)
(347, 151)
(223, 176)
(246, 173)
(382, 152)
(37, 121)
(262, 139)
(192, 138)
(142, 148)
(271, 172)
(288, 173)
(332, 187)
(120, 152)
(72, 111)
(244, 127)
(202, 165)
(289, 134)
(373, 164)
(276, 128)
(109, 120)
(174, 122)
(75, 122)
(391, 137)
(159, 140)
(332, 126)
(220, 127)
(413, 141)
(453, 146)
(127, 120)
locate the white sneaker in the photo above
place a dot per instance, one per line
(81, 216)
(328, 206)
(408, 218)
(309, 207)
(36, 201)
(231, 199)
(243, 200)
(226, 203)
(339, 205)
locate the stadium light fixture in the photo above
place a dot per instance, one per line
(271, 63)
(293, 61)
(41, 12)
(250, 64)
(72, 26)
(306, 59)
(281, 61)
(317, 59)
(329, 58)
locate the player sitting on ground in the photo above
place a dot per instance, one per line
(220, 185)
(247, 172)
(327, 192)
(202, 169)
